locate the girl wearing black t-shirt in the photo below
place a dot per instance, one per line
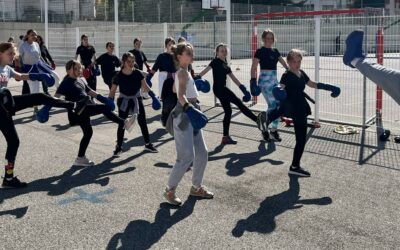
(87, 55)
(268, 58)
(74, 87)
(295, 106)
(108, 62)
(129, 81)
(165, 64)
(225, 95)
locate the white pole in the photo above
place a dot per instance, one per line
(165, 28)
(77, 38)
(116, 31)
(46, 22)
(228, 33)
(317, 47)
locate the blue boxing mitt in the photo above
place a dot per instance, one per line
(43, 77)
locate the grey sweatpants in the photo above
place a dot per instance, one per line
(190, 148)
(387, 79)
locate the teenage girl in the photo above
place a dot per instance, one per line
(129, 81)
(224, 94)
(74, 87)
(108, 62)
(293, 82)
(190, 145)
(268, 58)
(9, 105)
(87, 55)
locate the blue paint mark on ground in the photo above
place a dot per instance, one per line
(90, 197)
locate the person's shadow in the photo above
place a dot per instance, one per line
(263, 221)
(238, 162)
(17, 212)
(142, 234)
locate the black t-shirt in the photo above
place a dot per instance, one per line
(86, 54)
(296, 104)
(165, 62)
(140, 58)
(220, 71)
(108, 64)
(268, 57)
(73, 89)
(128, 84)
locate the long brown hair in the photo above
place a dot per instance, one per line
(125, 57)
(178, 49)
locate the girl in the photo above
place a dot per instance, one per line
(9, 105)
(225, 95)
(190, 145)
(165, 64)
(140, 57)
(30, 56)
(268, 58)
(108, 62)
(130, 81)
(87, 55)
(296, 106)
(140, 60)
(44, 52)
(74, 87)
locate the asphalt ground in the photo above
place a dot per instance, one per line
(350, 202)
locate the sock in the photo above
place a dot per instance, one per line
(355, 61)
(9, 171)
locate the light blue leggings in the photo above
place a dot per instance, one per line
(267, 81)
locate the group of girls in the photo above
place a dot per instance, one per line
(181, 113)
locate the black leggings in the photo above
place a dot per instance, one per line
(141, 120)
(300, 131)
(25, 88)
(92, 82)
(21, 102)
(84, 122)
(226, 97)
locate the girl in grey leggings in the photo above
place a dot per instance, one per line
(387, 79)
(190, 145)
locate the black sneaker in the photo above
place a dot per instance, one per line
(262, 121)
(299, 171)
(118, 150)
(149, 147)
(13, 183)
(265, 135)
(81, 105)
(228, 140)
(275, 136)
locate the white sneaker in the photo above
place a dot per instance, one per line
(130, 123)
(83, 161)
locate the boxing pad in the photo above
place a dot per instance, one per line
(148, 79)
(87, 73)
(108, 102)
(254, 88)
(95, 70)
(196, 117)
(334, 89)
(43, 114)
(246, 93)
(202, 85)
(156, 104)
(279, 93)
(44, 77)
